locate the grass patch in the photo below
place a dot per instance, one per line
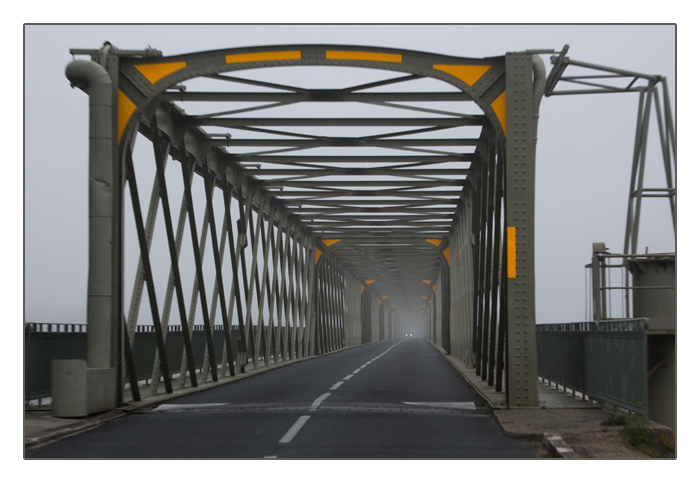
(636, 432)
(615, 420)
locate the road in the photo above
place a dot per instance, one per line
(389, 399)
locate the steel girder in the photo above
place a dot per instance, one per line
(399, 202)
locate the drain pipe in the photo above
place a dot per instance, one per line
(94, 79)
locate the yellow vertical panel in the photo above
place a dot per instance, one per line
(511, 252)
(447, 254)
(155, 72)
(125, 108)
(318, 255)
(499, 107)
(362, 288)
(466, 73)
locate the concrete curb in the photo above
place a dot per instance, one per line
(556, 445)
(72, 429)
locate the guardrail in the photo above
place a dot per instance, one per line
(604, 361)
(44, 342)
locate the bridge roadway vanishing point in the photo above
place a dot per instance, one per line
(394, 194)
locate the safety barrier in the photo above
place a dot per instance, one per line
(604, 361)
(45, 342)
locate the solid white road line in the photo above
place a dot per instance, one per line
(450, 405)
(171, 407)
(296, 427)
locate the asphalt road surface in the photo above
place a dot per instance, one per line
(389, 399)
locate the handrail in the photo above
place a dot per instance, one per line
(639, 323)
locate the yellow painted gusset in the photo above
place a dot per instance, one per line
(155, 72)
(466, 73)
(125, 108)
(434, 241)
(447, 254)
(330, 242)
(318, 255)
(499, 107)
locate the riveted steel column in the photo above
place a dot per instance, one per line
(520, 231)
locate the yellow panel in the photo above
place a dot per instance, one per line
(125, 108)
(447, 254)
(318, 255)
(467, 73)
(369, 281)
(362, 288)
(392, 306)
(511, 252)
(263, 56)
(356, 55)
(330, 242)
(434, 242)
(499, 107)
(385, 297)
(425, 297)
(155, 72)
(434, 289)
(428, 281)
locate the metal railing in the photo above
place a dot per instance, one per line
(44, 342)
(605, 362)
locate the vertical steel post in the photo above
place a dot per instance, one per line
(520, 231)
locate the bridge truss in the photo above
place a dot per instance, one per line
(309, 198)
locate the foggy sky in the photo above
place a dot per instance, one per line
(584, 150)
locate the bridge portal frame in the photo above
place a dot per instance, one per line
(139, 81)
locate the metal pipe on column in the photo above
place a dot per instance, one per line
(93, 78)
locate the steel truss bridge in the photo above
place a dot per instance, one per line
(395, 194)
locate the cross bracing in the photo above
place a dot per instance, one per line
(328, 196)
